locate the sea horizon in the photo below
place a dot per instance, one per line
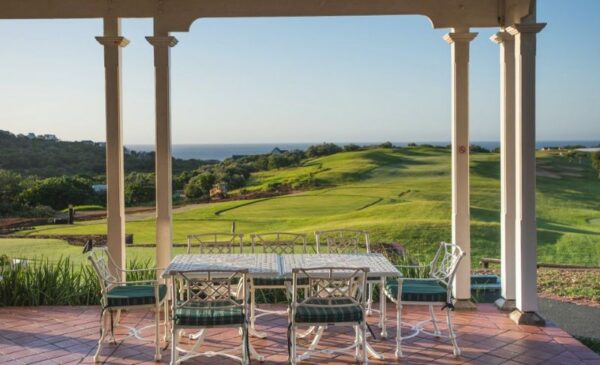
(221, 151)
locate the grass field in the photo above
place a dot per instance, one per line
(399, 195)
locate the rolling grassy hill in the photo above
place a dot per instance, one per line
(399, 195)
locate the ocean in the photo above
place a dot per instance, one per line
(223, 151)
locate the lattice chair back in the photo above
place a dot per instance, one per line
(100, 260)
(279, 243)
(331, 286)
(216, 289)
(215, 243)
(445, 262)
(343, 241)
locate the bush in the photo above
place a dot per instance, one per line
(139, 188)
(56, 283)
(386, 145)
(351, 147)
(59, 192)
(199, 186)
(596, 161)
(323, 149)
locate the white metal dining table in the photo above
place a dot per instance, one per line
(273, 266)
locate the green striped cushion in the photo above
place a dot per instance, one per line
(209, 314)
(122, 296)
(427, 290)
(328, 313)
(280, 281)
(270, 281)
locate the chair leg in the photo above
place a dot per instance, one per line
(398, 330)
(436, 329)
(245, 345)
(157, 354)
(370, 300)
(102, 335)
(166, 319)
(451, 333)
(365, 354)
(114, 323)
(252, 307)
(174, 340)
(292, 355)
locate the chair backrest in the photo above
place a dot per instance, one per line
(279, 243)
(343, 240)
(215, 243)
(445, 262)
(220, 289)
(100, 259)
(329, 286)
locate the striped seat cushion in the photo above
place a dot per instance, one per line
(122, 296)
(279, 281)
(325, 313)
(425, 290)
(218, 313)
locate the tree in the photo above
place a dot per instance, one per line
(596, 161)
(139, 188)
(10, 188)
(199, 186)
(59, 192)
(323, 149)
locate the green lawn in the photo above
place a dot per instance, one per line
(400, 195)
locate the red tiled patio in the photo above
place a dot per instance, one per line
(68, 335)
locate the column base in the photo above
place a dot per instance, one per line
(464, 305)
(527, 318)
(507, 305)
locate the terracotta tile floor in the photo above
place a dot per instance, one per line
(68, 335)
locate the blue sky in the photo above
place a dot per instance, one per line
(362, 79)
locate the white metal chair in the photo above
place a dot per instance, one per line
(336, 296)
(208, 301)
(215, 243)
(348, 241)
(279, 243)
(118, 295)
(433, 290)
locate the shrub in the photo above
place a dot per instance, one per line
(59, 192)
(139, 188)
(323, 149)
(596, 161)
(199, 186)
(351, 147)
(56, 283)
(386, 145)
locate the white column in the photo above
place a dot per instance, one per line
(525, 223)
(115, 200)
(459, 40)
(507, 167)
(164, 229)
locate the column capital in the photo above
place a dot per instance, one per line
(459, 37)
(113, 41)
(525, 28)
(501, 37)
(157, 41)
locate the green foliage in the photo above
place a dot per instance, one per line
(10, 188)
(139, 188)
(323, 149)
(592, 343)
(386, 145)
(351, 147)
(43, 157)
(478, 149)
(59, 192)
(43, 282)
(596, 161)
(199, 186)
